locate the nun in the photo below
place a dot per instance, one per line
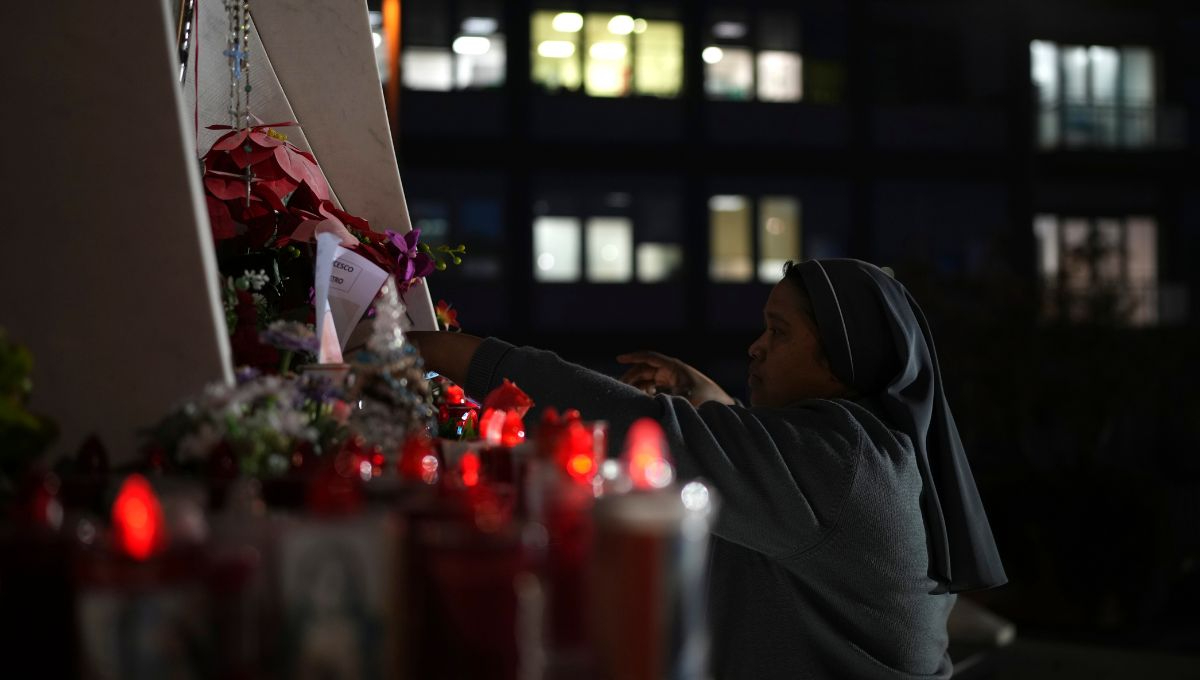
(849, 517)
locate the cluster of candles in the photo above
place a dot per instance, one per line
(607, 555)
(495, 556)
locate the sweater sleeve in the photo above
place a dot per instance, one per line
(781, 476)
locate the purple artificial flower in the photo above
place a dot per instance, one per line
(411, 263)
(290, 336)
(318, 389)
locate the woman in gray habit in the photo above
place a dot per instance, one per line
(849, 517)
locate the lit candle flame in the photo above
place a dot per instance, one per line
(137, 519)
(646, 456)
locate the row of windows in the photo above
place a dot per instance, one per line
(1088, 96)
(1089, 266)
(602, 54)
(605, 246)
(607, 55)
(616, 241)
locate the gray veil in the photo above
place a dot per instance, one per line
(878, 342)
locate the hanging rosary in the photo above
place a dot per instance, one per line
(183, 36)
(237, 43)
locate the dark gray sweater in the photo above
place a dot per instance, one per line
(819, 566)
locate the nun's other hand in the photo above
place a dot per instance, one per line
(655, 373)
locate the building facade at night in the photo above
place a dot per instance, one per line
(626, 175)
(634, 174)
(631, 175)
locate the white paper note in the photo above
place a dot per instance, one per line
(354, 281)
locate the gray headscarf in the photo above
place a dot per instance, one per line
(879, 343)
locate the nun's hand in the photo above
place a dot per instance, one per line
(655, 373)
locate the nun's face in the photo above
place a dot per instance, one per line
(785, 361)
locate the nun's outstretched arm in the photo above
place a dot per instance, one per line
(782, 475)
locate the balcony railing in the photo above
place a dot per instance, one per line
(1109, 126)
(1120, 304)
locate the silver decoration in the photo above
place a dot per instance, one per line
(387, 380)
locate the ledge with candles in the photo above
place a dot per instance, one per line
(367, 528)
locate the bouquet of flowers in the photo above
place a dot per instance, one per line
(264, 425)
(267, 200)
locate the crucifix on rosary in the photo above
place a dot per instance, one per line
(238, 51)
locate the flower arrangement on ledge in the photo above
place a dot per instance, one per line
(287, 425)
(267, 200)
(264, 425)
(273, 425)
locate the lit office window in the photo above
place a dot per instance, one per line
(444, 52)
(728, 72)
(427, 68)
(606, 54)
(1080, 124)
(625, 236)
(730, 244)
(606, 61)
(658, 57)
(1074, 68)
(1106, 262)
(659, 229)
(778, 59)
(658, 262)
(1045, 231)
(1138, 96)
(1043, 58)
(479, 61)
(1105, 74)
(742, 64)
(1075, 272)
(1093, 96)
(779, 77)
(778, 235)
(1141, 257)
(555, 58)
(556, 249)
(1101, 269)
(609, 249)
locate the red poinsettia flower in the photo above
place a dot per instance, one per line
(257, 175)
(276, 161)
(447, 316)
(319, 217)
(223, 226)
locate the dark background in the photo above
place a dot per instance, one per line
(914, 146)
